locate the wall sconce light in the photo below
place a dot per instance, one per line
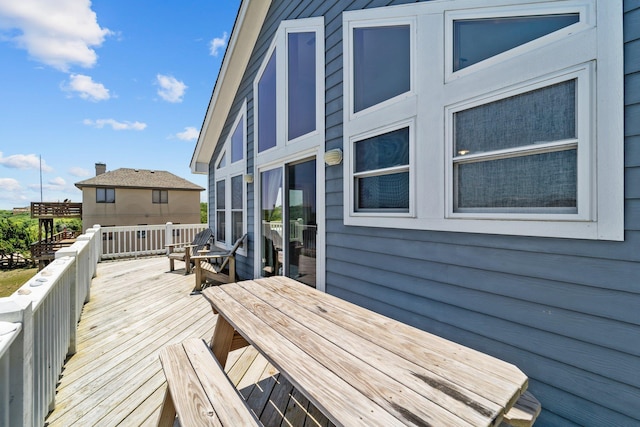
(248, 178)
(333, 157)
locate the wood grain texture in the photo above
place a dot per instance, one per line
(393, 369)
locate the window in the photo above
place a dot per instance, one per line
(230, 190)
(518, 154)
(105, 195)
(381, 172)
(266, 95)
(160, 196)
(289, 91)
(510, 122)
(221, 213)
(381, 64)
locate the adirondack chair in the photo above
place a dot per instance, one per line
(206, 271)
(185, 252)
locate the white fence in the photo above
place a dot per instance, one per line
(145, 240)
(38, 323)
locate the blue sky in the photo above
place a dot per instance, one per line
(122, 82)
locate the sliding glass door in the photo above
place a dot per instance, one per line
(289, 221)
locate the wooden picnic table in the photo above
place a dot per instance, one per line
(359, 367)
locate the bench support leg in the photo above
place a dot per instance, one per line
(168, 412)
(222, 339)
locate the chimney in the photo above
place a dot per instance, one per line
(100, 168)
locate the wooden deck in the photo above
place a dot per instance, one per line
(115, 378)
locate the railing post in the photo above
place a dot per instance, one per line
(98, 242)
(74, 306)
(18, 309)
(168, 235)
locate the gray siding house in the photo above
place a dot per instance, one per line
(469, 167)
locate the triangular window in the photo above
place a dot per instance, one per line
(475, 40)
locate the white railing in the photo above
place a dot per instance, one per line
(145, 240)
(40, 323)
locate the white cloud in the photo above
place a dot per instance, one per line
(115, 125)
(87, 88)
(217, 44)
(189, 134)
(171, 89)
(59, 33)
(57, 182)
(79, 172)
(24, 161)
(10, 184)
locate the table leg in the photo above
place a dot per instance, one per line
(222, 339)
(168, 411)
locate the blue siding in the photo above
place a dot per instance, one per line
(565, 311)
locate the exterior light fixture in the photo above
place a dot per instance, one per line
(248, 178)
(333, 157)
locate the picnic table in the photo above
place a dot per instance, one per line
(359, 367)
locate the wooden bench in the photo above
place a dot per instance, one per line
(198, 390)
(524, 412)
(184, 252)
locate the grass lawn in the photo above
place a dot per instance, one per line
(11, 280)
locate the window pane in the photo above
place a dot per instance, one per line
(236, 218)
(101, 196)
(223, 161)
(236, 192)
(155, 196)
(475, 40)
(267, 106)
(301, 84)
(383, 151)
(237, 143)
(381, 64)
(220, 226)
(384, 192)
(546, 180)
(543, 115)
(111, 195)
(220, 195)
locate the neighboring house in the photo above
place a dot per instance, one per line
(138, 197)
(490, 187)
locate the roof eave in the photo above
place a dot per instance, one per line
(245, 32)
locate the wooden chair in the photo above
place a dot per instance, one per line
(205, 270)
(185, 252)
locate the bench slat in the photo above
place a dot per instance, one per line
(200, 390)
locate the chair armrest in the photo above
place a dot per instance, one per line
(211, 255)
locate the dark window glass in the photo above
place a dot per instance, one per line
(547, 180)
(381, 64)
(301, 84)
(105, 195)
(237, 143)
(267, 106)
(383, 151)
(384, 192)
(475, 40)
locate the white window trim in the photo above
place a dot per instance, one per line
(226, 173)
(601, 200)
(284, 147)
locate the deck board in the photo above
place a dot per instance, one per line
(115, 378)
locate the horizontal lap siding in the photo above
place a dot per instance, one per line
(567, 312)
(564, 311)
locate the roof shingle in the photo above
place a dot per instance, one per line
(139, 178)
